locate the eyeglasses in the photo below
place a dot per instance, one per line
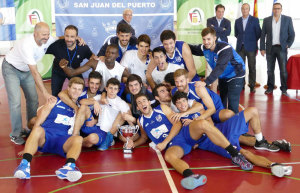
(276, 8)
(128, 14)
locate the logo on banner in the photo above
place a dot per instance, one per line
(150, 24)
(94, 32)
(165, 3)
(110, 27)
(80, 23)
(62, 4)
(195, 16)
(34, 16)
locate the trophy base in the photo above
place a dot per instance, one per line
(127, 151)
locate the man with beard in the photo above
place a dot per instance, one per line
(68, 51)
(123, 40)
(210, 100)
(19, 69)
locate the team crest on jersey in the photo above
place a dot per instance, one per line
(178, 59)
(195, 116)
(158, 118)
(215, 59)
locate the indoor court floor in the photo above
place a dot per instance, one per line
(146, 172)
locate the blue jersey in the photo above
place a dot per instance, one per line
(157, 126)
(191, 116)
(177, 58)
(225, 62)
(192, 94)
(60, 119)
(84, 95)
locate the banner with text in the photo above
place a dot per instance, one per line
(97, 20)
(191, 19)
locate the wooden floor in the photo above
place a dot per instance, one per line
(110, 171)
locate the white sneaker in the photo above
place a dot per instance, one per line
(280, 170)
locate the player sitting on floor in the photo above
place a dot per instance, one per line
(233, 128)
(157, 125)
(101, 135)
(52, 133)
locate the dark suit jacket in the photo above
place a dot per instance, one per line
(250, 36)
(132, 30)
(287, 33)
(221, 33)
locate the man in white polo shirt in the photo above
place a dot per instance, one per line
(19, 70)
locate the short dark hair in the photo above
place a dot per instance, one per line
(220, 6)
(113, 81)
(277, 3)
(159, 49)
(113, 46)
(140, 95)
(208, 30)
(144, 38)
(96, 75)
(178, 95)
(166, 35)
(169, 78)
(154, 92)
(133, 77)
(124, 28)
(73, 27)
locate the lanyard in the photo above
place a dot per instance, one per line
(71, 60)
(147, 60)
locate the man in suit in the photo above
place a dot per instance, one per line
(127, 17)
(220, 24)
(247, 31)
(280, 36)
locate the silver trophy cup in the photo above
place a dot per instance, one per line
(128, 131)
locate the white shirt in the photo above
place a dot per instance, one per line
(276, 31)
(158, 76)
(116, 72)
(134, 65)
(26, 52)
(109, 112)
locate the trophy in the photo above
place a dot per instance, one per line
(128, 131)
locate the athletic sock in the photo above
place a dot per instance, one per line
(259, 136)
(27, 156)
(70, 160)
(232, 151)
(187, 173)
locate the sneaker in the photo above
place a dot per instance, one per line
(252, 90)
(109, 141)
(193, 181)
(269, 91)
(69, 172)
(264, 145)
(23, 170)
(17, 140)
(25, 132)
(283, 145)
(241, 161)
(281, 170)
(284, 93)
